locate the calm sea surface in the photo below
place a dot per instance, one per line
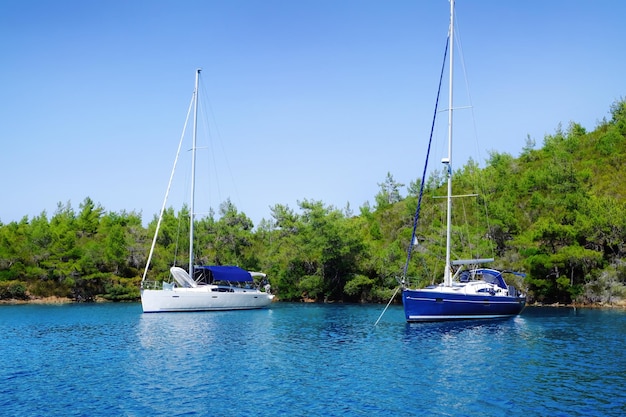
(308, 360)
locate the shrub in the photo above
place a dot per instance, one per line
(13, 290)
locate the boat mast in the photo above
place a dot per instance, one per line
(193, 173)
(447, 278)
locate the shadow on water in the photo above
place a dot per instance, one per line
(541, 311)
(520, 325)
(457, 327)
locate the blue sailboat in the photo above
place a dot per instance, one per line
(468, 291)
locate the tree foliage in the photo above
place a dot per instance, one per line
(557, 213)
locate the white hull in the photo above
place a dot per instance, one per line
(200, 287)
(204, 298)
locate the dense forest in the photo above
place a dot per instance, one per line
(556, 213)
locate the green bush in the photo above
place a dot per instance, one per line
(13, 290)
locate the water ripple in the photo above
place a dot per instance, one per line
(314, 360)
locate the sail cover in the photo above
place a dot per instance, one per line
(227, 273)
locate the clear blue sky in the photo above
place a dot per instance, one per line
(313, 99)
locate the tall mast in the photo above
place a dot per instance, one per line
(447, 278)
(193, 173)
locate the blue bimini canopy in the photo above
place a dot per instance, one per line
(227, 273)
(493, 277)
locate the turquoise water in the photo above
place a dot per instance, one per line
(308, 360)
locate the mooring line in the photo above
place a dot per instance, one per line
(381, 314)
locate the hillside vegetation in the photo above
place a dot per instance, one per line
(556, 213)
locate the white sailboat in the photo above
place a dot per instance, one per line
(201, 288)
(467, 291)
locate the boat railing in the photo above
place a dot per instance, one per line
(152, 285)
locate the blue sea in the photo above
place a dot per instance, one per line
(308, 360)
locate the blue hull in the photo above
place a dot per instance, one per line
(425, 306)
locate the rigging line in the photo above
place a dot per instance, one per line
(480, 179)
(212, 165)
(490, 230)
(178, 233)
(430, 140)
(167, 192)
(476, 237)
(466, 230)
(456, 196)
(209, 116)
(459, 45)
(390, 300)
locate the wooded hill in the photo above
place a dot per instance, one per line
(557, 213)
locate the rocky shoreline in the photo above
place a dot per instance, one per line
(46, 300)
